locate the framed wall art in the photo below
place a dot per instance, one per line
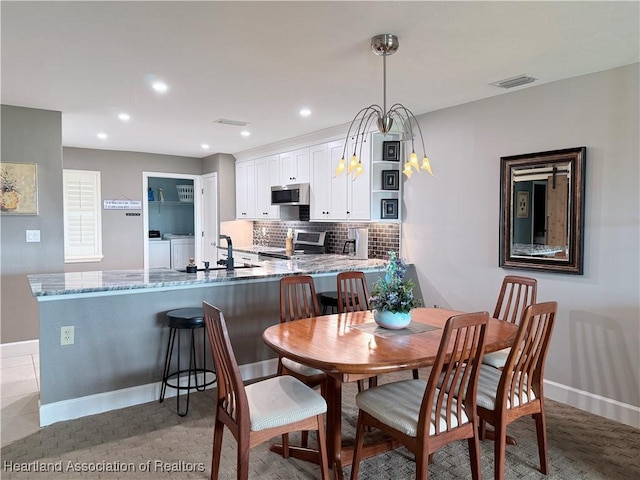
(391, 151)
(389, 208)
(18, 189)
(390, 179)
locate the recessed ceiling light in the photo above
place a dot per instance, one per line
(205, 146)
(124, 117)
(102, 136)
(305, 112)
(160, 86)
(245, 133)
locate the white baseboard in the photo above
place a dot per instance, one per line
(104, 402)
(126, 397)
(16, 349)
(592, 403)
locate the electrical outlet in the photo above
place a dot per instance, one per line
(67, 335)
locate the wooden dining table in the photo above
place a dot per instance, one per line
(350, 347)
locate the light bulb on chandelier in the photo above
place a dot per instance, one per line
(383, 45)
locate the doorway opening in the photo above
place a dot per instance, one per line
(172, 219)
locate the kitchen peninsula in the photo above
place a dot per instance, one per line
(120, 336)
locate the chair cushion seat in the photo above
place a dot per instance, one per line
(496, 359)
(488, 381)
(398, 404)
(282, 400)
(296, 367)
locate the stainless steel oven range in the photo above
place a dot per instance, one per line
(304, 243)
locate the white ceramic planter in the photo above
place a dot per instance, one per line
(392, 320)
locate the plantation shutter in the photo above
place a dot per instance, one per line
(82, 223)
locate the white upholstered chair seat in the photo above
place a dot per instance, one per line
(398, 404)
(282, 400)
(496, 359)
(296, 367)
(488, 381)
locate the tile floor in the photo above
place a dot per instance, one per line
(19, 397)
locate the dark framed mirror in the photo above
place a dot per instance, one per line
(542, 210)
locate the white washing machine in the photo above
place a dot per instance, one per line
(183, 247)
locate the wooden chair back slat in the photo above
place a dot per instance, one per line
(298, 298)
(353, 293)
(230, 392)
(516, 294)
(524, 369)
(454, 376)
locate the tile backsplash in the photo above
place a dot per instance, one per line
(383, 237)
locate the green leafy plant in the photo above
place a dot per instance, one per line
(392, 292)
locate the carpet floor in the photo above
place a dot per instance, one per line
(152, 441)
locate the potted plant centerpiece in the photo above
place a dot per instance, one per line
(392, 296)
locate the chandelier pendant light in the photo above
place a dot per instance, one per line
(383, 45)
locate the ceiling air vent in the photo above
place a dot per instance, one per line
(235, 123)
(514, 81)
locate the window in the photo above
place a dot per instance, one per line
(82, 225)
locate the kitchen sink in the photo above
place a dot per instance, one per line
(211, 269)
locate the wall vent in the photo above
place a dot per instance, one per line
(235, 123)
(514, 81)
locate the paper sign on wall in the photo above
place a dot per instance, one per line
(122, 204)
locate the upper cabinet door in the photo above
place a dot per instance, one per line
(294, 167)
(320, 183)
(245, 190)
(359, 189)
(267, 174)
(338, 183)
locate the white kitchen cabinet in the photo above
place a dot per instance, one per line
(245, 190)
(243, 258)
(267, 173)
(320, 184)
(239, 258)
(340, 197)
(295, 166)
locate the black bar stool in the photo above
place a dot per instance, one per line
(328, 300)
(185, 319)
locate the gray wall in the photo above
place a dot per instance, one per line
(454, 241)
(121, 175)
(225, 165)
(30, 136)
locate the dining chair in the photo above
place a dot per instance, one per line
(353, 290)
(353, 296)
(298, 300)
(516, 390)
(260, 411)
(516, 294)
(425, 416)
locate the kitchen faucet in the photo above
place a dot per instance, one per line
(229, 261)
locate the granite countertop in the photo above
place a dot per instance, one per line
(52, 284)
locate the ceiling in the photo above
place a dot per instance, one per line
(261, 62)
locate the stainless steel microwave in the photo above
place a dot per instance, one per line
(293, 194)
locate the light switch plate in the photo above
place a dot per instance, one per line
(33, 235)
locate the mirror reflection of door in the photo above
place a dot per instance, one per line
(557, 209)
